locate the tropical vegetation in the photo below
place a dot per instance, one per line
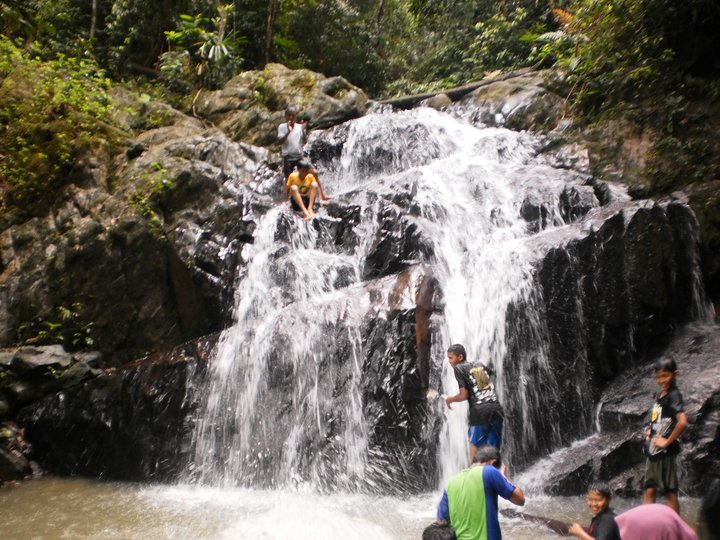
(654, 61)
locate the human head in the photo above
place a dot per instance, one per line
(487, 454)
(303, 164)
(438, 531)
(665, 373)
(598, 498)
(291, 112)
(456, 354)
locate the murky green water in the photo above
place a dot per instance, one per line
(50, 508)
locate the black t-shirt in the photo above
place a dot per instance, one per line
(604, 527)
(482, 400)
(663, 418)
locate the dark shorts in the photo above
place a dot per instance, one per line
(305, 200)
(661, 473)
(289, 164)
(490, 433)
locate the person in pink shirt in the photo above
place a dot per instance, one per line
(653, 522)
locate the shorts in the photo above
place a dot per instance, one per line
(289, 164)
(490, 433)
(305, 200)
(661, 473)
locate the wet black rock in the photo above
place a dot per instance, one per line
(612, 298)
(616, 455)
(130, 423)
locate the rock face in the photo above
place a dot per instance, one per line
(615, 455)
(131, 423)
(154, 255)
(252, 105)
(521, 103)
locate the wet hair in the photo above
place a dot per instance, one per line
(304, 164)
(602, 489)
(457, 350)
(487, 452)
(666, 364)
(439, 531)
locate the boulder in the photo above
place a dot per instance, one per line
(129, 423)
(31, 373)
(615, 455)
(612, 298)
(252, 105)
(520, 103)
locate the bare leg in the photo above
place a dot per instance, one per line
(650, 495)
(473, 449)
(671, 499)
(295, 194)
(312, 193)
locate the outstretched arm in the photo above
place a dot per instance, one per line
(321, 191)
(462, 395)
(577, 530)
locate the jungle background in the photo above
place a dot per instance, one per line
(641, 77)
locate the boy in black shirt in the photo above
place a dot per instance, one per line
(666, 422)
(603, 525)
(485, 416)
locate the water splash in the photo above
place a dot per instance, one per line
(285, 401)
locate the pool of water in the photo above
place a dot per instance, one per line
(50, 508)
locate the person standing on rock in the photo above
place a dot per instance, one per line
(667, 420)
(470, 500)
(292, 137)
(485, 416)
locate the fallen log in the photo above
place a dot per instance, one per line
(555, 525)
(408, 102)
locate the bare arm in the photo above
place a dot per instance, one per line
(462, 395)
(321, 191)
(577, 530)
(284, 137)
(682, 422)
(517, 497)
(287, 193)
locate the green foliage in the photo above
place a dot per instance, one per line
(203, 52)
(153, 184)
(345, 44)
(458, 42)
(50, 114)
(637, 50)
(68, 330)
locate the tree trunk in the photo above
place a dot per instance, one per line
(378, 29)
(272, 7)
(93, 19)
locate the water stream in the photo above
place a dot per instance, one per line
(282, 447)
(300, 304)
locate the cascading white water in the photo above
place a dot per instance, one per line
(300, 304)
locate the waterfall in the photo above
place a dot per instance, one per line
(291, 396)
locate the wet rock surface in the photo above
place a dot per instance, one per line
(153, 256)
(252, 105)
(130, 423)
(616, 456)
